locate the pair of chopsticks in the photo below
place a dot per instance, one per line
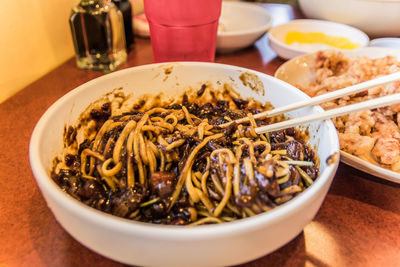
(329, 114)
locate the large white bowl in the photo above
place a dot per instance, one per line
(375, 17)
(159, 245)
(241, 25)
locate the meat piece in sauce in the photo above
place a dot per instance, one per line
(101, 114)
(161, 183)
(278, 136)
(128, 200)
(295, 150)
(91, 190)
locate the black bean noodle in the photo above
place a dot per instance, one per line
(170, 163)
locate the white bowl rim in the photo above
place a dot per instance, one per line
(383, 42)
(261, 28)
(165, 231)
(313, 21)
(379, 1)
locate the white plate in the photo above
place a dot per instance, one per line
(300, 71)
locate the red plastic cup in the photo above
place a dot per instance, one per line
(183, 30)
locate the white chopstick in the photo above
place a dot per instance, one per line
(370, 104)
(323, 98)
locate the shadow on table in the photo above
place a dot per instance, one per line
(53, 245)
(360, 186)
(292, 254)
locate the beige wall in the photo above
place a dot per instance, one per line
(34, 39)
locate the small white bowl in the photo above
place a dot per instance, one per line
(146, 244)
(241, 24)
(375, 17)
(386, 42)
(277, 35)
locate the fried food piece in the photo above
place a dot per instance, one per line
(355, 143)
(387, 150)
(360, 122)
(385, 127)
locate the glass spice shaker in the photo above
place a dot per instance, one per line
(98, 34)
(126, 8)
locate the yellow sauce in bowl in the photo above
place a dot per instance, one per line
(296, 37)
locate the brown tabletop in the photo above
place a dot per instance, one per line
(357, 225)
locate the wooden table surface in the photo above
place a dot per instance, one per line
(357, 225)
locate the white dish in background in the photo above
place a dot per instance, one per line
(278, 34)
(375, 17)
(146, 244)
(241, 24)
(141, 25)
(386, 42)
(300, 71)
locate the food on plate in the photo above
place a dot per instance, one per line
(166, 161)
(318, 40)
(373, 135)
